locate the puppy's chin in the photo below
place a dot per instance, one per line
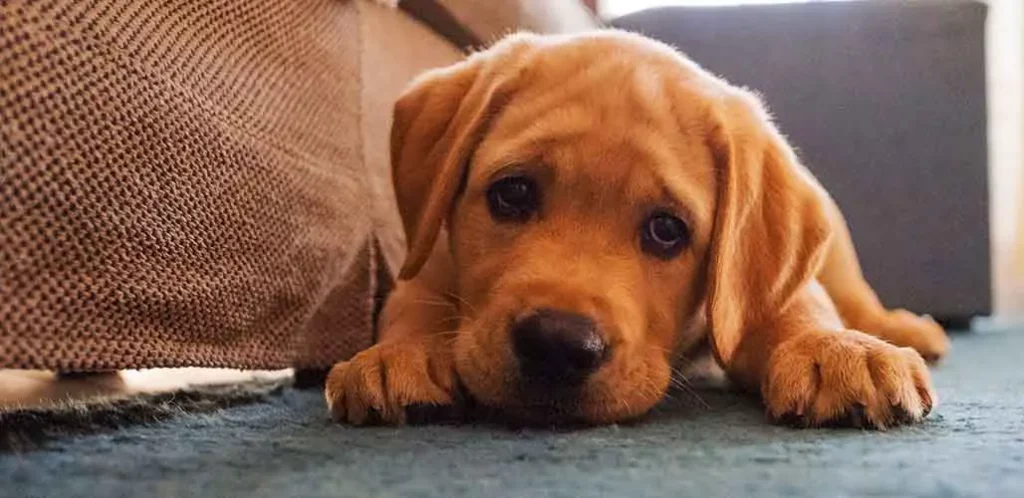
(627, 387)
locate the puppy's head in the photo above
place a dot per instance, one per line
(602, 195)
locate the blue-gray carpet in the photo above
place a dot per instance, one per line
(973, 445)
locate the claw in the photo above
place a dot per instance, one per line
(857, 416)
(901, 415)
(373, 417)
(791, 419)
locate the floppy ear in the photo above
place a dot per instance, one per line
(438, 121)
(771, 228)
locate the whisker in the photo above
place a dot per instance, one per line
(692, 392)
(681, 377)
(680, 381)
(655, 390)
(452, 295)
(452, 319)
(662, 349)
(433, 303)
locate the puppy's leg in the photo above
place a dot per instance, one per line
(411, 366)
(860, 307)
(811, 371)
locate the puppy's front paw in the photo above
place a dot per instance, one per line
(391, 382)
(846, 378)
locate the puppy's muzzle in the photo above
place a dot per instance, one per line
(557, 349)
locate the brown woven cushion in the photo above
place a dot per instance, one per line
(184, 183)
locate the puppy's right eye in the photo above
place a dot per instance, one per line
(664, 235)
(513, 198)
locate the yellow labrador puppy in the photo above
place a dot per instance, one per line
(581, 211)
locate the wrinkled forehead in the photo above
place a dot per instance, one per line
(607, 125)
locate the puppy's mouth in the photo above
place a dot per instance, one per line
(532, 408)
(552, 367)
(559, 407)
(529, 401)
(536, 403)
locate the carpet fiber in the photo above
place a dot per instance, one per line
(283, 445)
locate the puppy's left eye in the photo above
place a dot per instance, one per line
(664, 235)
(513, 198)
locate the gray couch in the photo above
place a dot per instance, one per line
(885, 102)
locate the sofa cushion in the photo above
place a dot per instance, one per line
(190, 183)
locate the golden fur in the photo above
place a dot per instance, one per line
(610, 125)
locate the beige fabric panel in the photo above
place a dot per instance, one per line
(183, 184)
(489, 20)
(395, 49)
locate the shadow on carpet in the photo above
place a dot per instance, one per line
(972, 445)
(30, 429)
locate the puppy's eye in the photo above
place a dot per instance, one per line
(664, 236)
(513, 198)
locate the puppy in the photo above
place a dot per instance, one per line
(581, 211)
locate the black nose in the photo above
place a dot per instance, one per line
(557, 347)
